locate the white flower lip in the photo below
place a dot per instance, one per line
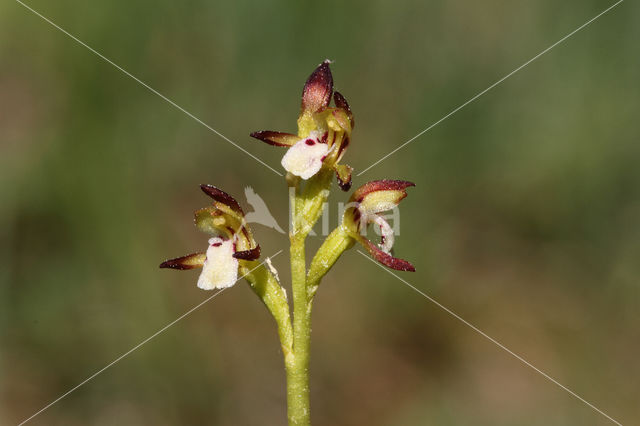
(220, 269)
(305, 157)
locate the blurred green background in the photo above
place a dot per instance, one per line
(525, 219)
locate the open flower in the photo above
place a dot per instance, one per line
(366, 204)
(323, 131)
(231, 242)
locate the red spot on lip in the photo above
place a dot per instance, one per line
(216, 244)
(309, 142)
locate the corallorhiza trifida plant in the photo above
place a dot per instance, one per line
(312, 157)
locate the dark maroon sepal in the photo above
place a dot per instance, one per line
(386, 259)
(252, 254)
(380, 185)
(221, 196)
(275, 138)
(316, 94)
(343, 146)
(341, 103)
(190, 261)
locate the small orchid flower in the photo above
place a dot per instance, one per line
(367, 202)
(323, 131)
(231, 242)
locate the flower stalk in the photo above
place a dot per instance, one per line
(266, 287)
(298, 400)
(312, 158)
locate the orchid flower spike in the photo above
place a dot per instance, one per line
(366, 204)
(231, 242)
(324, 132)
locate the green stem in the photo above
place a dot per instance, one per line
(265, 285)
(331, 249)
(298, 371)
(306, 206)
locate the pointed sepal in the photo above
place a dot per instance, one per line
(384, 257)
(222, 197)
(251, 254)
(276, 138)
(341, 103)
(380, 195)
(380, 185)
(190, 261)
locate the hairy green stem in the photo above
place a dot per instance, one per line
(298, 372)
(267, 288)
(331, 249)
(306, 207)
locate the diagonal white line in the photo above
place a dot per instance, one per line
(151, 89)
(136, 346)
(492, 86)
(500, 345)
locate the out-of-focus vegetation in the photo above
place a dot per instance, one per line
(525, 219)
